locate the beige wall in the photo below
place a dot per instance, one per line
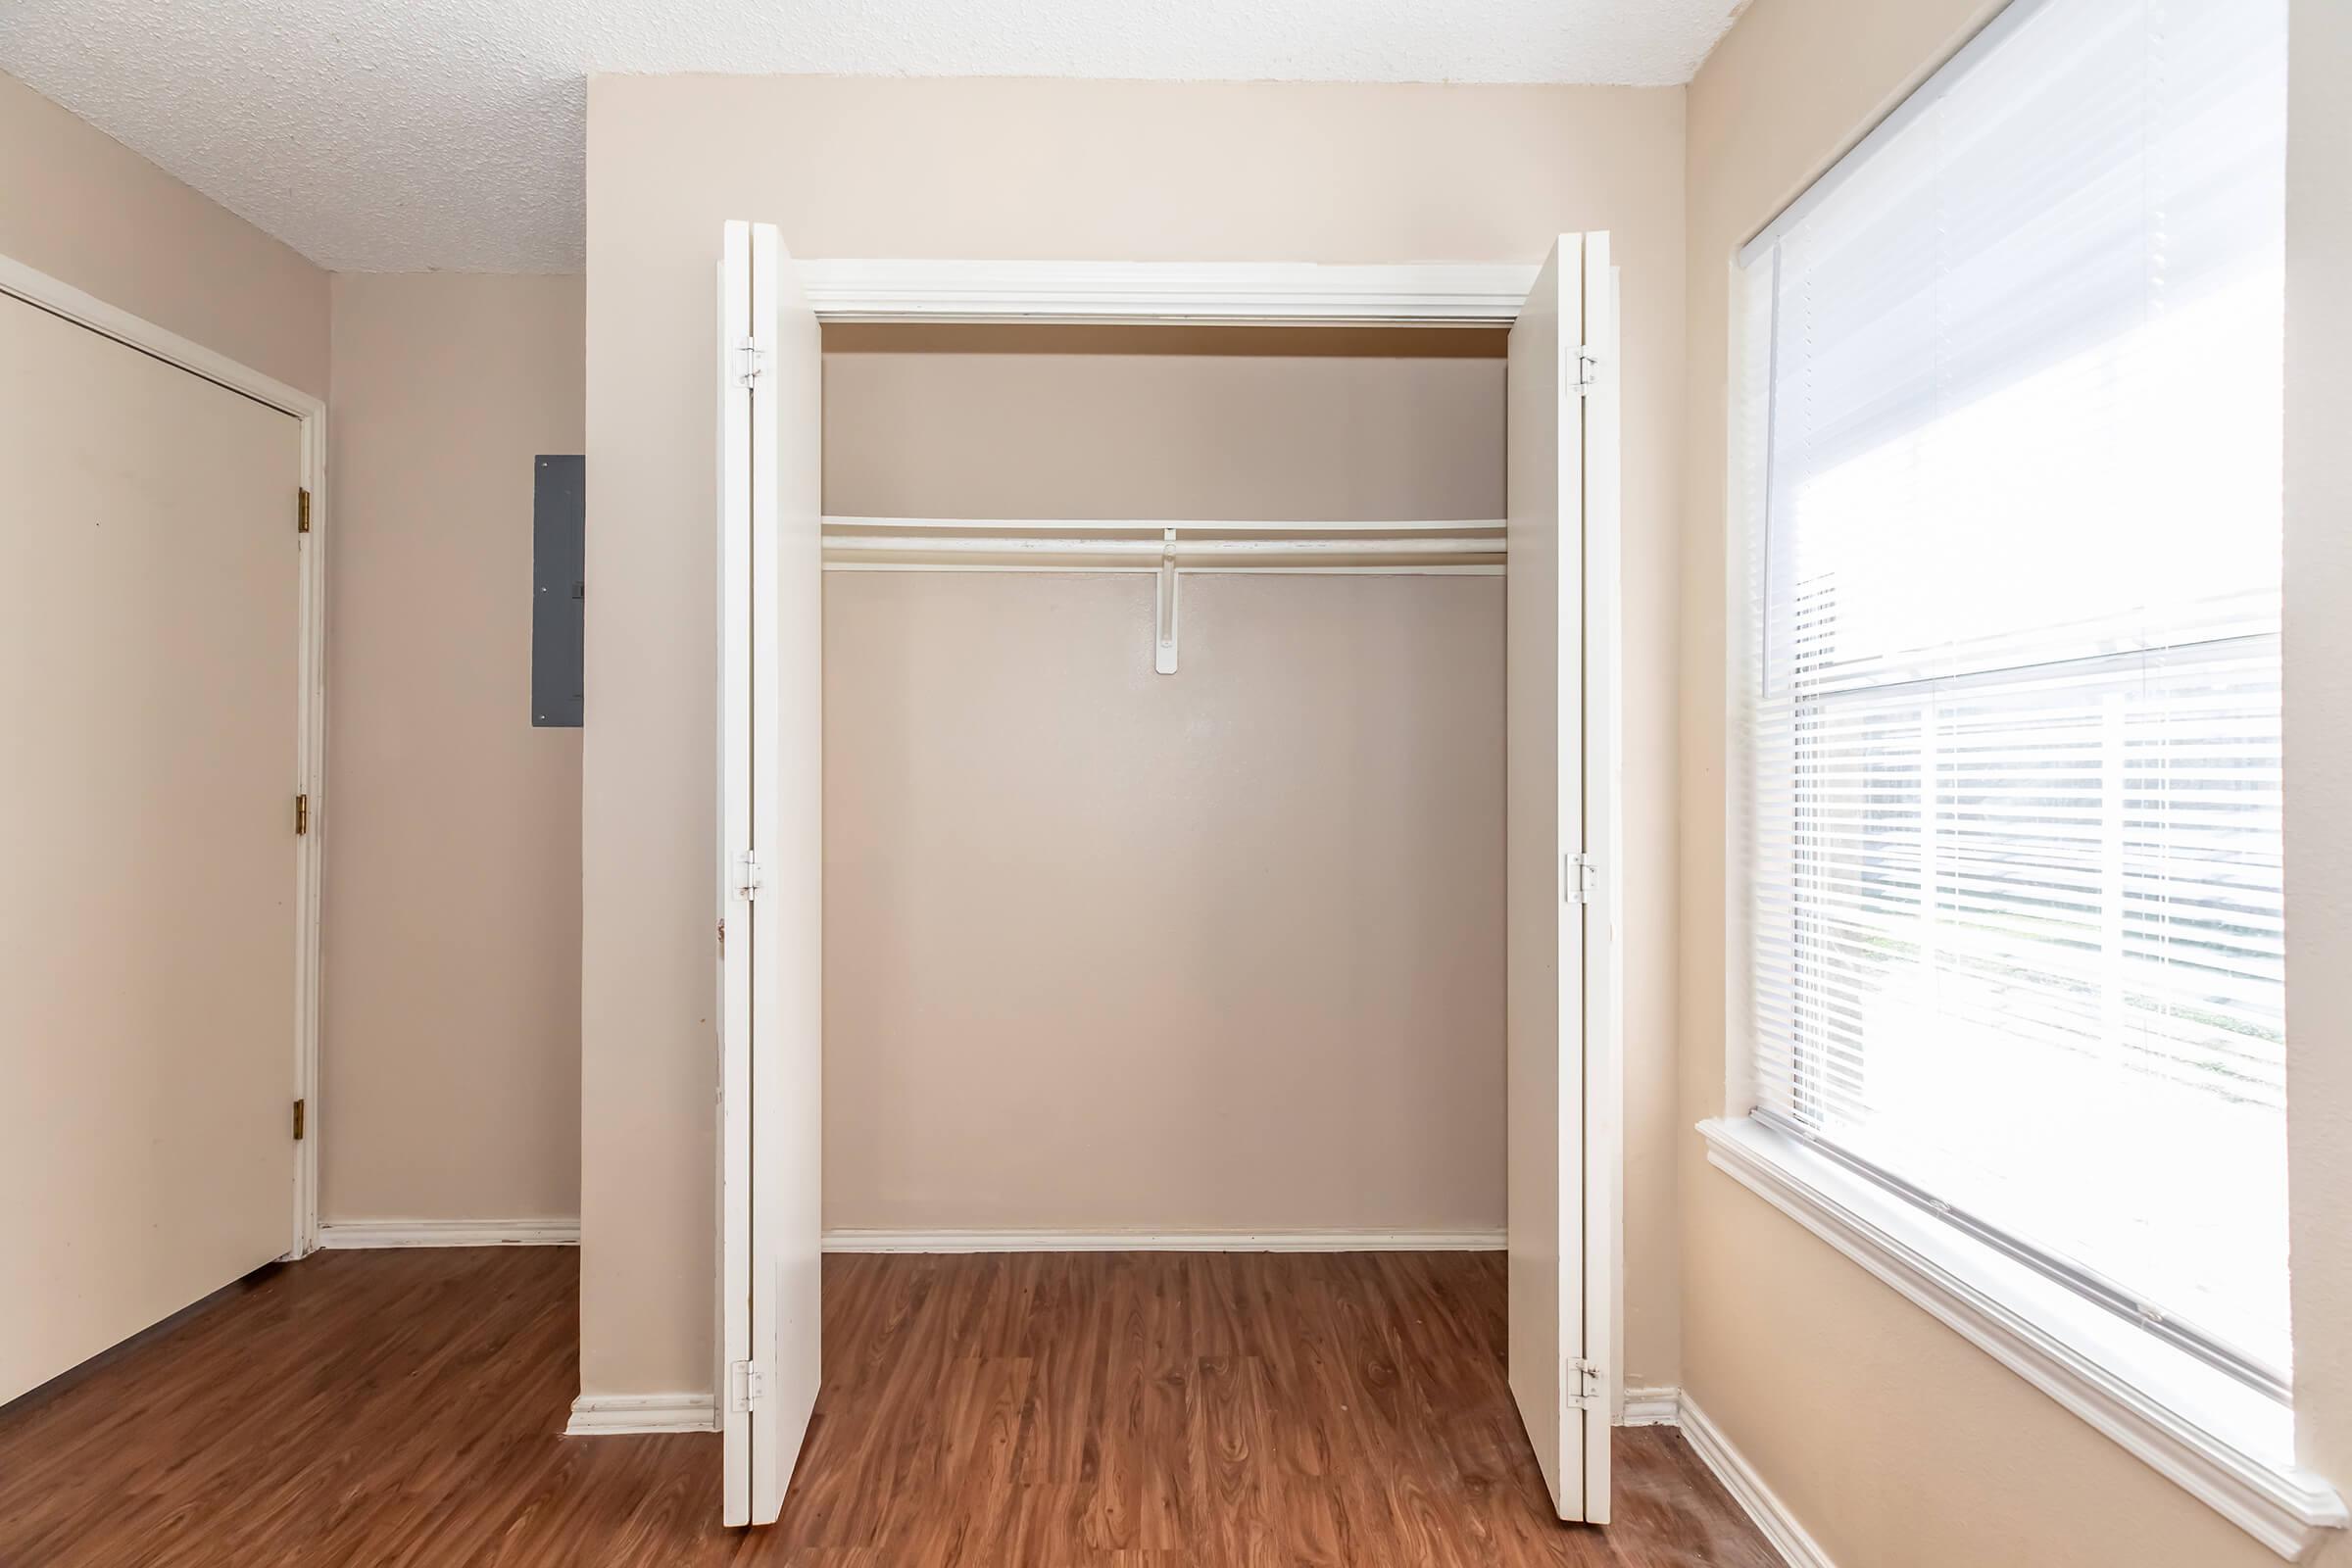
(450, 1046)
(1229, 943)
(1892, 1440)
(78, 205)
(1022, 168)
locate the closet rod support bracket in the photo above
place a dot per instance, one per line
(1164, 610)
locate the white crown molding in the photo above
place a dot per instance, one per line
(605, 1416)
(1747, 1489)
(1039, 1241)
(358, 1234)
(2289, 1509)
(1189, 293)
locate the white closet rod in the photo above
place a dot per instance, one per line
(1046, 544)
(1168, 550)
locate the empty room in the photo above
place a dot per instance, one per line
(1349, 783)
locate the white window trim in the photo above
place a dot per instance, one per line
(2223, 1443)
(2172, 1411)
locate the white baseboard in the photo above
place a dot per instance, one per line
(604, 1415)
(1036, 1240)
(355, 1234)
(1651, 1407)
(1780, 1527)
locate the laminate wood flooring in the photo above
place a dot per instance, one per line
(1010, 1410)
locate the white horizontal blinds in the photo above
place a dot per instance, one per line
(2012, 704)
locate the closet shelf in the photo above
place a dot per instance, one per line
(1164, 547)
(1056, 544)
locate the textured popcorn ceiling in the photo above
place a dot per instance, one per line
(407, 135)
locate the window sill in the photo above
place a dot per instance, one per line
(2220, 1440)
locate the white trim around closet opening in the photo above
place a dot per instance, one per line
(62, 299)
(1167, 293)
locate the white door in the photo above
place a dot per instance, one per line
(770, 868)
(1560, 811)
(150, 755)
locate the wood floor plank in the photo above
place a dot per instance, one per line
(404, 1409)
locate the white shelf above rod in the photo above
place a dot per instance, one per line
(1167, 549)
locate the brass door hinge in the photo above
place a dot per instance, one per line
(302, 814)
(298, 1104)
(302, 511)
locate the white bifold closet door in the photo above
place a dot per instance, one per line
(770, 866)
(1560, 811)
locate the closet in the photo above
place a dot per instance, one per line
(1167, 786)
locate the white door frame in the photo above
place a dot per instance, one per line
(64, 300)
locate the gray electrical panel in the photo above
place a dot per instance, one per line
(559, 589)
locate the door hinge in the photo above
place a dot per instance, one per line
(747, 1386)
(748, 876)
(1585, 1386)
(1580, 878)
(750, 361)
(302, 814)
(1588, 371)
(298, 1108)
(302, 511)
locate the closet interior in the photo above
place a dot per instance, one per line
(1163, 780)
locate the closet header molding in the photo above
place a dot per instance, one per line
(1172, 293)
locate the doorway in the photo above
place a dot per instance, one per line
(158, 656)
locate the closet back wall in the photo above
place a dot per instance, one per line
(1107, 949)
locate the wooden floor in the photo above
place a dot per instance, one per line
(1026, 1411)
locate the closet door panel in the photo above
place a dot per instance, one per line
(770, 896)
(1602, 1093)
(1543, 814)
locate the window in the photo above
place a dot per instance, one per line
(2008, 790)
